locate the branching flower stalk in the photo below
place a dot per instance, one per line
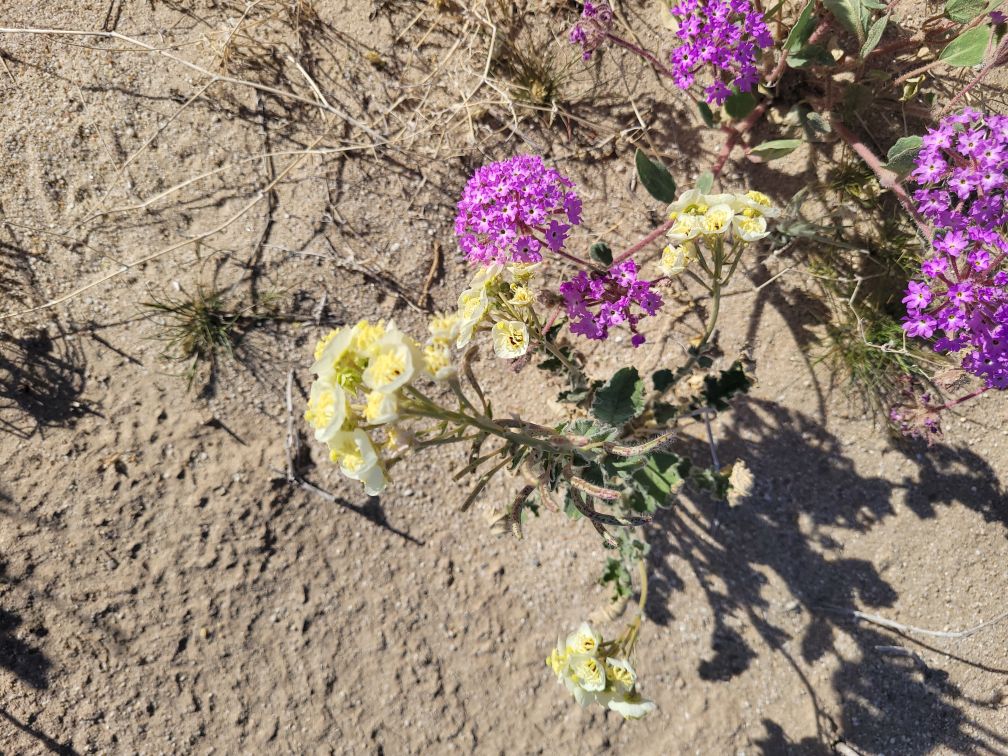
(379, 394)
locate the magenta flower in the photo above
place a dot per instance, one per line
(509, 210)
(967, 280)
(723, 35)
(592, 28)
(599, 301)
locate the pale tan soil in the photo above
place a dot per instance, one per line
(163, 589)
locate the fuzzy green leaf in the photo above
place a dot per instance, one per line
(850, 14)
(655, 178)
(968, 49)
(705, 182)
(799, 35)
(962, 11)
(776, 148)
(621, 399)
(601, 252)
(740, 104)
(903, 154)
(660, 476)
(875, 32)
(706, 113)
(810, 54)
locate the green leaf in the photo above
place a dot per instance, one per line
(662, 379)
(618, 577)
(621, 399)
(874, 35)
(815, 124)
(706, 113)
(602, 252)
(740, 104)
(968, 49)
(962, 11)
(802, 30)
(705, 182)
(810, 54)
(903, 154)
(718, 390)
(655, 178)
(660, 476)
(776, 148)
(850, 14)
(709, 480)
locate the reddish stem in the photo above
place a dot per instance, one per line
(735, 133)
(645, 241)
(641, 52)
(961, 399)
(886, 178)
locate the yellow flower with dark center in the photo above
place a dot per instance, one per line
(510, 338)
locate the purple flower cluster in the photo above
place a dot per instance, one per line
(600, 300)
(592, 28)
(962, 170)
(724, 34)
(513, 208)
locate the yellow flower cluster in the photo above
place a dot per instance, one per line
(360, 374)
(591, 676)
(501, 298)
(710, 217)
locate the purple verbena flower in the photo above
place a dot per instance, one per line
(967, 272)
(723, 35)
(592, 27)
(600, 300)
(510, 209)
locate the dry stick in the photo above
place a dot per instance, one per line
(206, 72)
(155, 135)
(886, 178)
(188, 182)
(425, 296)
(178, 245)
(900, 628)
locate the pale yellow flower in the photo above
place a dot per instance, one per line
(394, 360)
(327, 411)
(621, 673)
(686, 227)
(754, 203)
(717, 220)
(358, 460)
(632, 706)
(588, 672)
(521, 296)
(750, 229)
(381, 407)
(438, 362)
(510, 338)
(444, 328)
(473, 305)
(674, 259)
(584, 640)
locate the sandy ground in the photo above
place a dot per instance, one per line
(164, 589)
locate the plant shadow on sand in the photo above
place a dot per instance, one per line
(805, 483)
(26, 662)
(41, 380)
